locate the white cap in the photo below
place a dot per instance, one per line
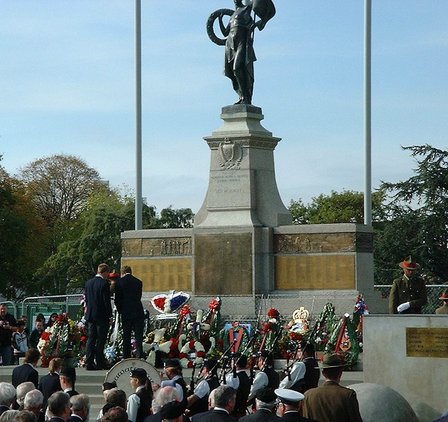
(288, 396)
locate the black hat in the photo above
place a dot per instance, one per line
(172, 410)
(173, 363)
(211, 365)
(139, 373)
(69, 373)
(109, 385)
(266, 395)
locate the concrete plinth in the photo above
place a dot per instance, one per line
(242, 189)
(409, 353)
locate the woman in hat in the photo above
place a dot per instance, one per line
(139, 403)
(408, 293)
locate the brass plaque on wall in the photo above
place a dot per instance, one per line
(223, 264)
(427, 342)
(315, 272)
(159, 275)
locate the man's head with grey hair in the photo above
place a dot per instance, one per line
(59, 405)
(25, 416)
(7, 394)
(8, 415)
(21, 390)
(211, 399)
(225, 397)
(163, 396)
(33, 401)
(80, 404)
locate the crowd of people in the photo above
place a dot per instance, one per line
(228, 397)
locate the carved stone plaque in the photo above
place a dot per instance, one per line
(427, 342)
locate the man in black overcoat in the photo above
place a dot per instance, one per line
(27, 371)
(128, 295)
(98, 317)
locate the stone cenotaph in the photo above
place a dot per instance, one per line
(243, 243)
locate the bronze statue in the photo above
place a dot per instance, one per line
(239, 33)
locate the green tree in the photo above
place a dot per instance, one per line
(416, 217)
(176, 218)
(338, 207)
(60, 186)
(22, 239)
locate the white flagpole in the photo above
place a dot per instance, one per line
(367, 112)
(138, 111)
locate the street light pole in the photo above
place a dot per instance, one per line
(138, 112)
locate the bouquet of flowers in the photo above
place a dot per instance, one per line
(61, 339)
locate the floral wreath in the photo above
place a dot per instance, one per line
(192, 346)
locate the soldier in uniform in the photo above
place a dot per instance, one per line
(408, 293)
(444, 308)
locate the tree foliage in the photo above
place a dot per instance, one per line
(60, 186)
(22, 238)
(416, 217)
(338, 207)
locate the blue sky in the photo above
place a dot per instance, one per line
(67, 86)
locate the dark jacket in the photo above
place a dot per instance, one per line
(97, 293)
(48, 385)
(273, 377)
(295, 417)
(242, 393)
(128, 295)
(261, 415)
(24, 373)
(217, 416)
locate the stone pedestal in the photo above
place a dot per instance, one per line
(232, 236)
(243, 245)
(242, 189)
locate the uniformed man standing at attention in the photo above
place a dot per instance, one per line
(408, 293)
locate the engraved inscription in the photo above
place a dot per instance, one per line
(314, 243)
(427, 342)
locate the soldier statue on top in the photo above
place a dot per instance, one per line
(239, 33)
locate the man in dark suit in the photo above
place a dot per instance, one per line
(225, 398)
(332, 402)
(80, 408)
(50, 383)
(67, 378)
(59, 407)
(98, 317)
(128, 295)
(26, 372)
(265, 402)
